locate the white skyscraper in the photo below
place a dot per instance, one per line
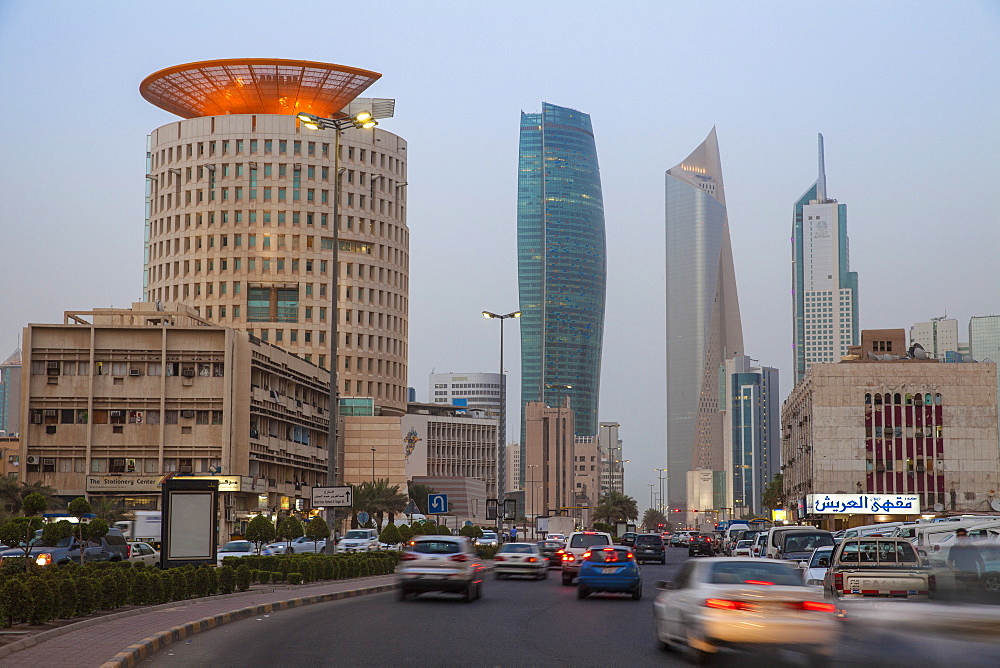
(937, 337)
(476, 390)
(824, 289)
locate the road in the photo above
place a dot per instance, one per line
(517, 623)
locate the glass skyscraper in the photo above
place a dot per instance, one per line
(561, 262)
(824, 289)
(703, 315)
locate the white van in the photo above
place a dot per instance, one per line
(728, 539)
(886, 528)
(928, 535)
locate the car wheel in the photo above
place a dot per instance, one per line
(582, 592)
(470, 593)
(402, 594)
(567, 579)
(663, 561)
(479, 590)
(690, 553)
(637, 592)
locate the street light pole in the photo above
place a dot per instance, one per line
(659, 474)
(502, 427)
(361, 120)
(651, 487)
(373, 464)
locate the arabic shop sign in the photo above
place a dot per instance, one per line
(861, 504)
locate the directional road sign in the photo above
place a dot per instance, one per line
(437, 503)
(332, 497)
(411, 508)
(363, 517)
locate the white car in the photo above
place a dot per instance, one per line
(144, 552)
(440, 563)
(359, 540)
(520, 559)
(299, 545)
(720, 602)
(235, 548)
(743, 548)
(815, 567)
(488, 539)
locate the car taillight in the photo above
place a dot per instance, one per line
(838, 581)
(723, 604)
(532, 559)
(708, 540)
(630, 555)
(586, 555)
(931, 583)
(816, 606)
(408, 556)
(757, 582)
(128, 550)
(498, 558)
(568, 557)
(459, 557)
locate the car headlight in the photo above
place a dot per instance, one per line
(43, 559)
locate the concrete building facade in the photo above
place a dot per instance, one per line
(937, 337)
(609, 445)
(116, 399)
(10, 394)
(476, 390)
(893, 426)
(241, 199)
(550, 452)
(448, 442)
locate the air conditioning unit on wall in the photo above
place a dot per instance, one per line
(32, 459)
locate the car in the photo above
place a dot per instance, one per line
(743, 602)
(759, 544)
(628, 538)
(488, 539)
(235, 548)
(556, 536)
(440, 564)
(143, 552)
(815, 567)
(649, 547)
(578, 543)
(681, 538)
(550, 548)
(359, 540)
(298, 546)
(520, 559)
(110, 547)
(611, 568)
(701, 544)
(742, 548)
(798, 545)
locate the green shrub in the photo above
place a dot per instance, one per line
(243, 577)
(295, 578)
(227, 579)
(166, 587)
(86, 596)
(263, 577)
(139, 593)
(203, 582)
(16, 565)
(178, 584)
(390, 535)
(405, 532)
(65, 598)
(43, 606)
(15, 601)
(444, 531)
(213, 580)
(486, 551)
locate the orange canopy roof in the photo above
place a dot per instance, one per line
(255, 86)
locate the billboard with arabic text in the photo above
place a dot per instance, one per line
(861, 504)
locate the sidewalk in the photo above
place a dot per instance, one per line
(125, 638)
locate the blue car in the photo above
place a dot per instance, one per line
(610, 568)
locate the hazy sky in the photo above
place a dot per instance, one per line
(905, 93)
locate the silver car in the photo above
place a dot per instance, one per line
(440, 563)
(520, 559)
(740, 602)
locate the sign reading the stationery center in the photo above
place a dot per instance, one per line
(863, 504)
(104, 483)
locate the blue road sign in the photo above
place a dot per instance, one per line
(363, 517)
(437, 503)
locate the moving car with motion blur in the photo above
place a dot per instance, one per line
(628, 538)
(877, 568)
(578, 543)
(520, 559)
(701, 543)
(440, 564)
(551, 550)
(612, 569)
(235, 548)
(743, 603)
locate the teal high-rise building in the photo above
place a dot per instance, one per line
(561, 262)
(824, 289)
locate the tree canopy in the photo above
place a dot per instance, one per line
(616, 507)
(260, 530)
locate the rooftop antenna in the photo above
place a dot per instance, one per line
(821, 181)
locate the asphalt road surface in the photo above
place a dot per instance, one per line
(518, 622)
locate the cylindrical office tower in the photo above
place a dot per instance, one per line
(240, 214)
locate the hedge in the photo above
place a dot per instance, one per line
(39, 595)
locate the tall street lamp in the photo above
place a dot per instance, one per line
(560, 451)
(533, 482)
(373, 464)
(651, 486)
(362, 120)
(502, 427)
(661, 477)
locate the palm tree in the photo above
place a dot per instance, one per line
(616, 507)
(360, 501)
(12, 495)
(419, 494)
(109, 510)
(386, 499)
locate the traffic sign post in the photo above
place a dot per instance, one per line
(437, 504)
(332, 497)
(363, 517)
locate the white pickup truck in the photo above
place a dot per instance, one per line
(879, 568)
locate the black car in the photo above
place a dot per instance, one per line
(701, 544)
(548, 548)
(628, 538)
(649, 547)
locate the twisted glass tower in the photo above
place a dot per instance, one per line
(703, 314)
(561, 262)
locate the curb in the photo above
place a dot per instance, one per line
(136, 653)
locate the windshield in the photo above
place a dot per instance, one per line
(649, 540)
(744, 572)
(876, 551)
(517, 548)
(821, 553)
(743, 543)
(356, 534)
(796, 542)
(236, 546)
(489, 535)
(588, 540)
(435, 547)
